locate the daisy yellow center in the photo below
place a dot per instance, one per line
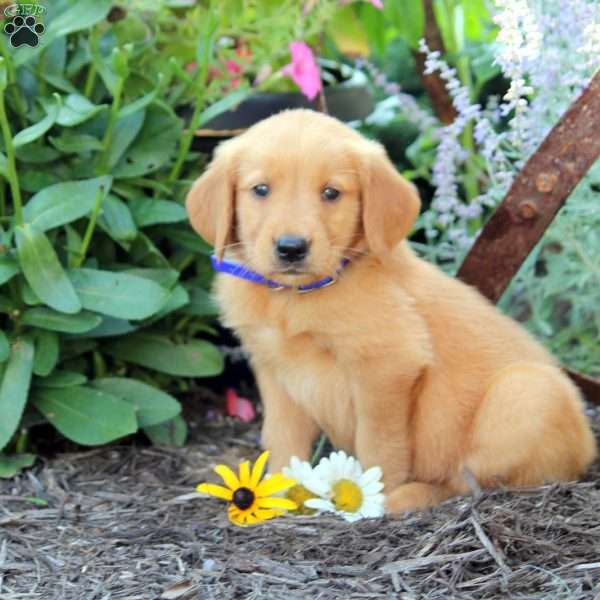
(347, 495)
(298, 493)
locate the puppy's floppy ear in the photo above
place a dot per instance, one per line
(210, 201)
(390, 203)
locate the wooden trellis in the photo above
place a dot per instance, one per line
(536, 195)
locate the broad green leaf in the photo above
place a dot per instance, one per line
(46, 318)
(28, 295)
(86, 415)
(177, 299)
(14, 388)
(110, 327)
(125, 131)
(64, 202)
(4, 347)
(138, 104)
(70, 142)
(36, 154)
(165, 277)
(171, 433)
(43, 270)
(147, 211)
(81, 15)
(13, 464)
(61, 379)
(116, 219)
(36, 131)
(408, 17)
(151, 405)
(118, 294)
(226, 103)
(154, 145)
(348, 33)
(46, 352)
(76, 109)
(9, 267)
(197, 358)
(201, 303)
(33, 179)
(187, 239)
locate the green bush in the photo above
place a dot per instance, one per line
(103, 285)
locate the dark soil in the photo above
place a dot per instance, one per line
(123, 523)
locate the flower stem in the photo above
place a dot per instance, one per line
(318, 450)
(11, 168)
(102, 166)
(87, 238)
(186, 141)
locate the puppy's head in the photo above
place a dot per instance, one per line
(296, 193)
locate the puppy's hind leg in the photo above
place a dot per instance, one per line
(529, 429)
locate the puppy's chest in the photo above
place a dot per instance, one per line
(309, 368)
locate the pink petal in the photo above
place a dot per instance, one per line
(303, 70)
(239, 407)
(377, 4)
(232, 67)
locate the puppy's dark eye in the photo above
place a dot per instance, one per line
(261, 190)
(330, 194)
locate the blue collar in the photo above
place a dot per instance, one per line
(238, 270)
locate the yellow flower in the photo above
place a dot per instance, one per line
(251, 500)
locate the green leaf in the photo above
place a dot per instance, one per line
(61, 379)
(206, 40)
(154, 145)
(125, 131)
(15, 463)
(177, 299)
(201, 303)
(70, 142)
(197, 358)
(36, 131)
(83, 14)
(46, 352)
(65, 202)
(110, 327)
(4, 347)
(76, 110)
(43, 270)
(408, 17)
(118, 294)
(138, 104)
(46, 318)
(9, 267)
(116, 219)
(147, 211)
(85, 415)
(226, 103)
(14, 388)
(171, 433)
(36, 154)
(3, 74)
(151, 405)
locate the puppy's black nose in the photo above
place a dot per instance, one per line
(291, 248)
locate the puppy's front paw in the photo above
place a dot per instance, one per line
(414, 496)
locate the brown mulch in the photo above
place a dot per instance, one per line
(119, 523)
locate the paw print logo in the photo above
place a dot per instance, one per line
(24, 30)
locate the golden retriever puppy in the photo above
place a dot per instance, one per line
(399, 364)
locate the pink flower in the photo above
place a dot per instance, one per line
(232, 67)
(304, 70)
(239, 407)
(376, 3)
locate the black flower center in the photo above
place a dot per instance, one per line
(243, 498)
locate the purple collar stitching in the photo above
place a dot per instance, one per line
(237, 270)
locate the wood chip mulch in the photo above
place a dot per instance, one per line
(121, 523)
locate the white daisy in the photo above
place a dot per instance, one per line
(301, 472)
(345, 489)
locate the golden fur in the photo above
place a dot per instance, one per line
(399, 364)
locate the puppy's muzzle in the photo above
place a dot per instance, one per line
(291, 249)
